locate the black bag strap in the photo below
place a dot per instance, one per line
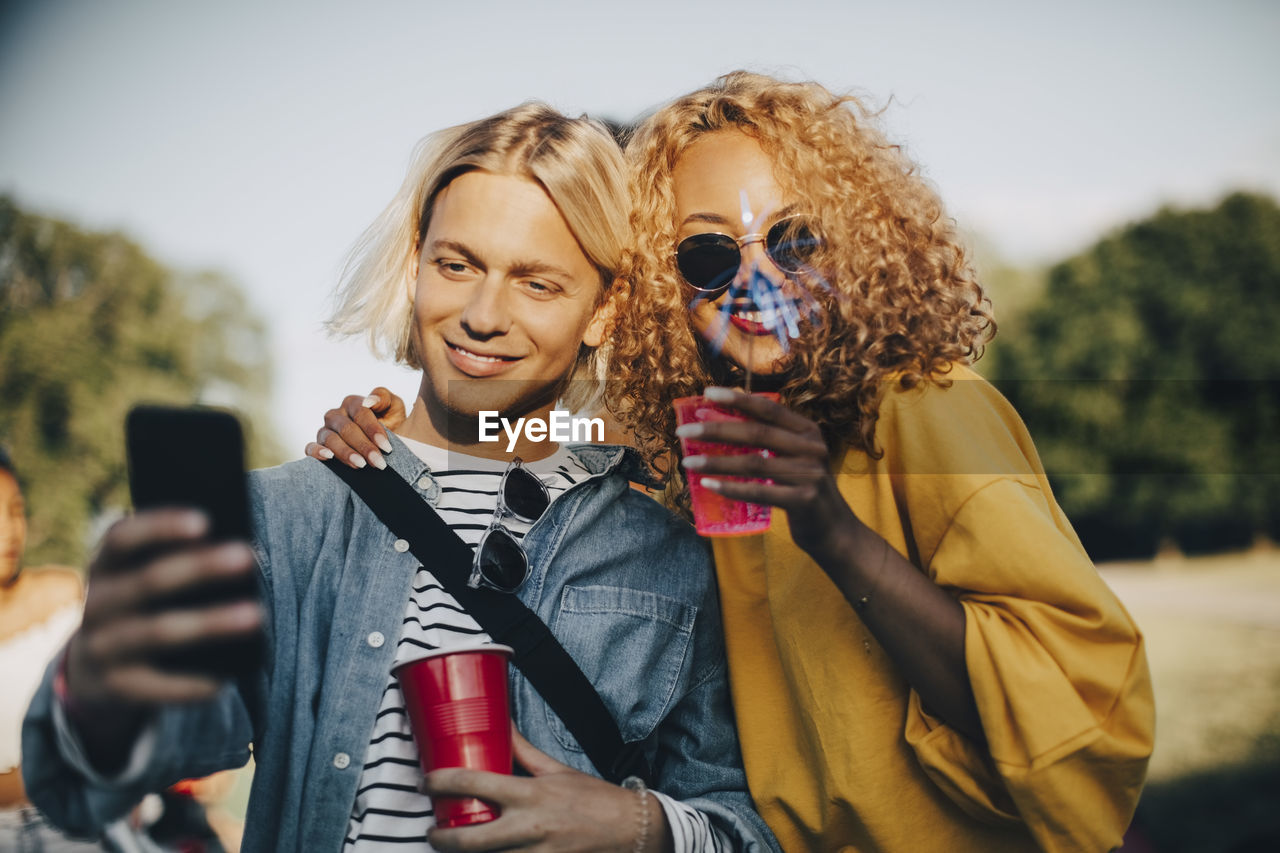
(538, 654)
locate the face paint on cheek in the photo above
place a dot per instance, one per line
(745, 245)
(759, 303)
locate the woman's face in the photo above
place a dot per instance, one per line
(13, 526)
(724, 183)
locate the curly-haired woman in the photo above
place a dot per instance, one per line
(922, 656)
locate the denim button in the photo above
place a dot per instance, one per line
(376, 639)
(342, 761)
(425, 482)
(401, 546)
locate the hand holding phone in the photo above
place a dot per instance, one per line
(115, 664)
(194, 457)
(172, 605)
(171, 610)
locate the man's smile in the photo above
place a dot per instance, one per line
(476, 363)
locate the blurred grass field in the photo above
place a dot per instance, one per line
(1212, 627)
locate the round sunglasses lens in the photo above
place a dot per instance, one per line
(525, 496)
(791, 244)
(502, 562)
(708, 261)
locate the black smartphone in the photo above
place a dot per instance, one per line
(194, 457)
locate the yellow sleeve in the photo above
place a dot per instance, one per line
(1059, 674)
(1057, 666)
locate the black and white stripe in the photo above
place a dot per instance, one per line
(388, 812)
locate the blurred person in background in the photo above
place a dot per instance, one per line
(39, 610)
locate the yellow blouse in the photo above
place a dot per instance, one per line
(839, 752)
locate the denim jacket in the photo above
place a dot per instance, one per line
(626, 588)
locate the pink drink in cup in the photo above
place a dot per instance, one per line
(460, 717)
(713, 514)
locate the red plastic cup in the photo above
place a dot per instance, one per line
(714, 514)
(460, 717)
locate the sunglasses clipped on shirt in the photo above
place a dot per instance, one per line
(709, 262)
(501, 562)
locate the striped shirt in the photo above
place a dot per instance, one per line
(389, 813)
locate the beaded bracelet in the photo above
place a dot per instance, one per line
(635, 783)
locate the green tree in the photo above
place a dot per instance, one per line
(1149, 373)
(90, 325)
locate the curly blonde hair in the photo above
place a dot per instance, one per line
(900, 301)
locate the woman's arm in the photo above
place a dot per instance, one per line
(917, 623)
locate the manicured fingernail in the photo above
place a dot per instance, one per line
(383, 442)
(356, 460)
(720, 395)
(375, 459)
(325, 453)
(369, 402)
(693, 463)
(689, 431)
(710, 483)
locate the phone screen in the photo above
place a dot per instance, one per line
(194, 457)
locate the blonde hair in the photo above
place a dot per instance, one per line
(901, 302)
(575, 160)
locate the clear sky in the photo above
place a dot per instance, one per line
(261, 137)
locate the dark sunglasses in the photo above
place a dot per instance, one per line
(709, 262)
(500, 561)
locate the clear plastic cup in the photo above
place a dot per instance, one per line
(460, 717)
(714, 514)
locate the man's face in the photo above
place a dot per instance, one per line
(503, 298)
